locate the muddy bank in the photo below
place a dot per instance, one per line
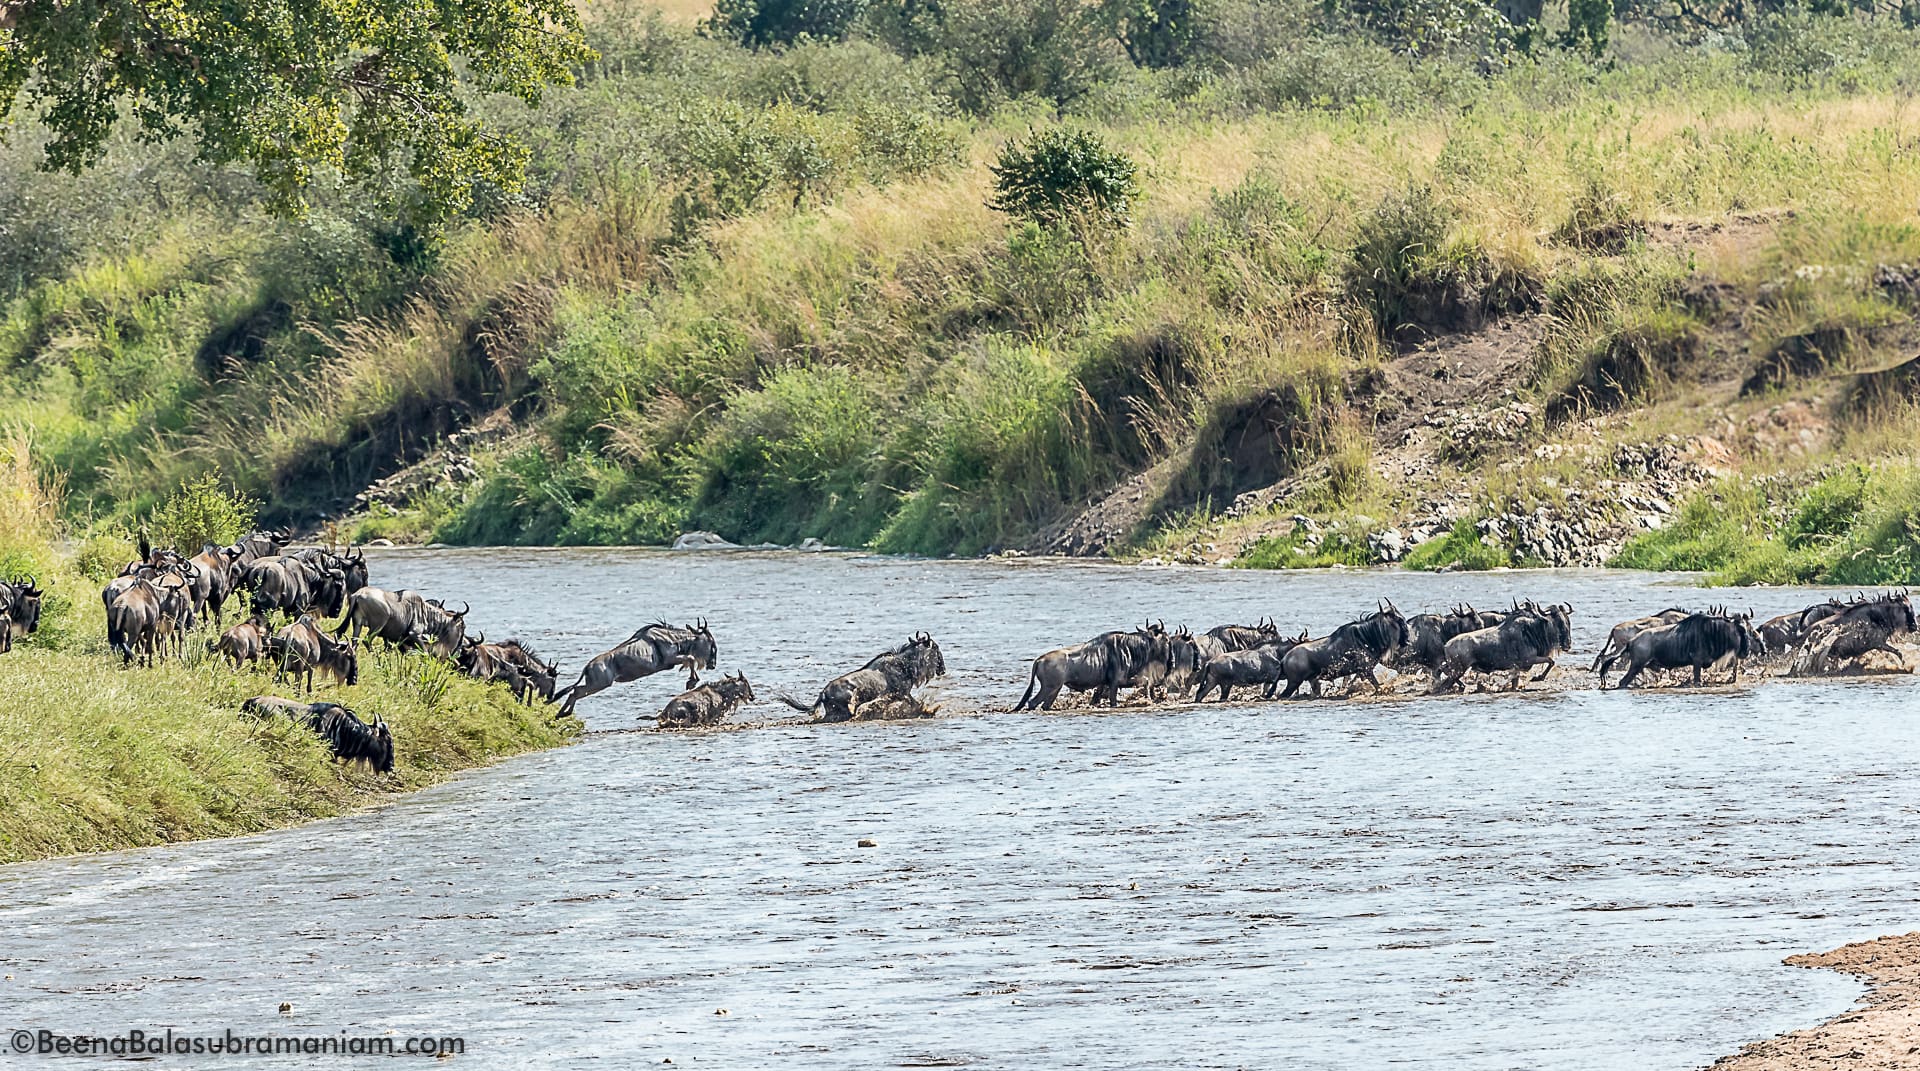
(1882, 1031)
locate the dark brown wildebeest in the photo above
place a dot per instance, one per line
(651, 649)
(1864, 625)
(244, 643)
(405, 619)
(1371, 639)
(262, 544)
(1621, 634)
(1788, 631)
(301, 649)
(709, 704)
(20, 601)
(1102, 665)
(212, 573)
(1530, 635)
(1698, 640)
(1427, 636)
(892, 674)
(1264, 664)
(349, 738)
(540, 676)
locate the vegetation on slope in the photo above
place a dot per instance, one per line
(762, 290)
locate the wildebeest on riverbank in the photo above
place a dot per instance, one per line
(350, 739)
(889, 675)
(1696, 641)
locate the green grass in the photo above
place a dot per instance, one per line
(1461, 546)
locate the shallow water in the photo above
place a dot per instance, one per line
(1576, 880)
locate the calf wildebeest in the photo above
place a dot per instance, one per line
(512, 662)
(1379, 634)
(709, 704)
(1861, 627)
(349, 738)
(1102, 665)
(1528, 636)
(244, 643)
(1427, 636)
(1263, 664)
(20, 601)
(1625, 631)
(404, 619)
(301, 649)
(1788, 631)
(176, 612)
(1698, 640)
(892, 674)
(649, 650)
(1188, 654)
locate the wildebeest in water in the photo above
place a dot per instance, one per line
(650, 650)
(1350, 650)
(1623, 633)
(890, 675)
(1698, 640)
(709, 704)
(1863, 626)
(1265, 664)
(1528, 636)
(1102, 665)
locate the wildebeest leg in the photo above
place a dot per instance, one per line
(1696, 675)
(1226, 691)
(1316, 687)
(1632, 674)
(1513, 685)
(1895, 652)
(1293, 685)
(1542, 675)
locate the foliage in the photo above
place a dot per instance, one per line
(1065, 175)
(202, 511)
(1462, 548)
(782, 22)
(294, 90)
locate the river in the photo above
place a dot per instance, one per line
(1578, 880)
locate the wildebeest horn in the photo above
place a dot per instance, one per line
(464, 607)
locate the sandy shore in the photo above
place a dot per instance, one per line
(1882, 1032)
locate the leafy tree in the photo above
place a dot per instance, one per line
(1155, 33)
(992, 51)
(291, 87)
(1065, 175)
(782, 22)
(1587, 24)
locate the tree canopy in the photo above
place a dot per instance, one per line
(368, 88)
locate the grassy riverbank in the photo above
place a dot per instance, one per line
(1536, 300)
(95, 757)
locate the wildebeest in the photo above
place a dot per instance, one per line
(134, 607)
(1788, 631)
(1529, 636)
(892, 674)
(1102, 665)
(405, 619)
(649, 650)
(1378, 634)
(1698, 640)
(1264, 664)
(20, 601)
(1427, 636)
(1622, 633)
(1861, 627)
(709, 704)
(262, 544)
(349, 738)
(512, 662)
(302, 648)
(244, 643)
(212, 575)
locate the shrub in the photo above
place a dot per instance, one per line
(1460, 548)
(993, 51)
(202, 511)
(782, 22)
(1065, 175)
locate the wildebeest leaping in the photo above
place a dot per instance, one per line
(891, 674)
(650, 650)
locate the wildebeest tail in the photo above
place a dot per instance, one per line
(1033, 684)
(804, 708)
(346, 622)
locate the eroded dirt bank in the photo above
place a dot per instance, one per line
(1882, 1031)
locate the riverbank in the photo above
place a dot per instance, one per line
(96, 758)
(1881, 1032)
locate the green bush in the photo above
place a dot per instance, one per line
(202, 511)
(994, 51)
(1065, 175)
(1461, 547)
(782, 22)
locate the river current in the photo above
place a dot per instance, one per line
(1574, 880)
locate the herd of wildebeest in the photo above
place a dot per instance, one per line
(159, 598)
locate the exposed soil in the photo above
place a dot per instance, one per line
(1881, 1034)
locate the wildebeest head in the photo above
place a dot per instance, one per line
(923, 658)
(338, 658)
(21, 601)
(734, 688)
(703, 650)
